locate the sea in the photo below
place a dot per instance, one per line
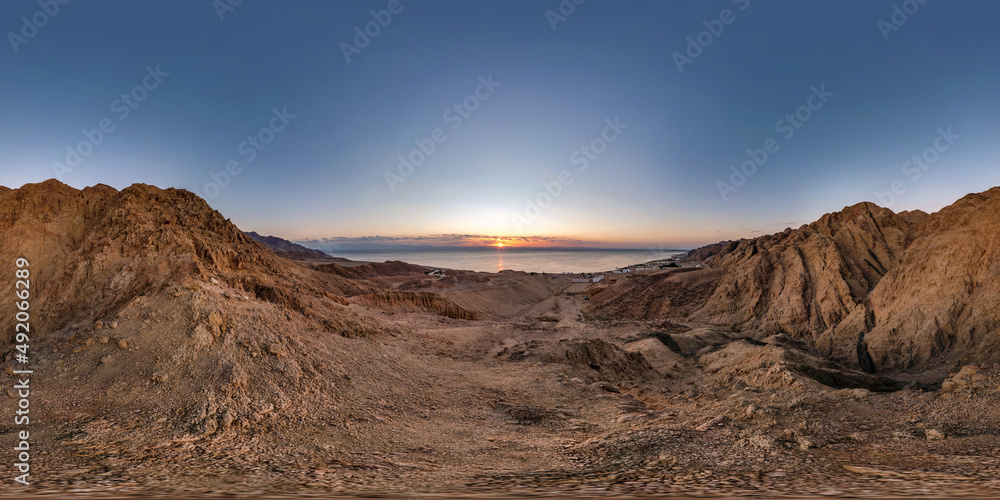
(578, 260)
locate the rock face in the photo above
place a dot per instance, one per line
(374, 269)
(804, 281)
(864, 286)
(874, 289)
(415, 301)
(705, 253)
(940, 304)
(671, 295)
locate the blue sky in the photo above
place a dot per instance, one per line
(327, 131)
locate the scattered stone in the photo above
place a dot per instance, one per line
(859, 393)
(216, 320)
(868, 471)
(806, 443)
(201, 335)
(227, 418)
(857, 436)
(605, 386)
(763, 442)
(104, 340)
(934, 435)
(711, 423)
(122, 344)
(969, 377)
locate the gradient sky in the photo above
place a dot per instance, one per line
(323, 175)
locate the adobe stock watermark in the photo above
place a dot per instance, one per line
(916, 166)
(564, 10)
(122, 107)
(456, 115)
(697, 44)
(582, 159)
(787, 126)
(224, 7)
(900, 16)
(248, 150)
(372, 29)
(37, 21)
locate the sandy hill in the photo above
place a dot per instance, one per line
(154, 312)
(93, 251)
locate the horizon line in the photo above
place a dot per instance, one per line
(493, 248)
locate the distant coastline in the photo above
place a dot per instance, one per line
(407, 248)
(541, 260)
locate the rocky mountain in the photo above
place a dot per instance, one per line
(288, 249)
(705, 253)
(867, 287)
(147, 302)
(95, 250)
(804, 281)
(939, 304)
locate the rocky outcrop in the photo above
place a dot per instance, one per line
(374, 270)
(867, 287)
(938, 305)
(704, 254)
(94, 250)
(413, 302)
(599, 360)
(873, 289)
(149, 291)
(287, 249)
(666, 295)
(806, 281)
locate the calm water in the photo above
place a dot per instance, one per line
(529, 260)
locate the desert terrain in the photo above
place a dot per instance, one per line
(174, 354)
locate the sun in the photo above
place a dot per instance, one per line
(499, 244)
